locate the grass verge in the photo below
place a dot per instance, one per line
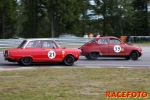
(71, 83)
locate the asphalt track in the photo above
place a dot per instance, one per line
(142, 62)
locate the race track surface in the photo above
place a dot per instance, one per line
(142, 62)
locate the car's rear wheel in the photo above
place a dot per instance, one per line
(26, 61)
(92, 56)
(69, 60)
(134, 55)
(19, 62)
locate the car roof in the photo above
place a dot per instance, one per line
(38, 39)
(106, 37)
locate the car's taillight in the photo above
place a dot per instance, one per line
(6, 53)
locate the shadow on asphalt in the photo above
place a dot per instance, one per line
(106, 60)
(13, 65)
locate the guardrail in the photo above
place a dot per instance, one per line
(8, 43)
(138, 38)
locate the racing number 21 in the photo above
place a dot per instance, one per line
(51, 54)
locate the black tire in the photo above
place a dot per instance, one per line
(19, 62)
(92, 56)
(26, 61)
(128, 58)
(87, 57)
(134, 55)
(69, 60)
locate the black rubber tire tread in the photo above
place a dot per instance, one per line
(134, 55)
(90, 57)
(67, 58)
(26, 61)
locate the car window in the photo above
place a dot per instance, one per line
(48, 44)
(102, 41)
(34, 44)
(114, 41)
(92, 41)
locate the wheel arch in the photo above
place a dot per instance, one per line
(71, 55)
(26, 56)
(135, 51)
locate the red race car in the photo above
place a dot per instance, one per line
(109, 46)
(41, 50)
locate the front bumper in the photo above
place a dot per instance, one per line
(9, 59)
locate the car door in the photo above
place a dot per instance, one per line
(33, 49)
(50, 52)
(116, 47)
(103, 46)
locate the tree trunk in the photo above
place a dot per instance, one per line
(3, 26)
(52, 25)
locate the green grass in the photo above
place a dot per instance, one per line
(2, 49)
(71, 83)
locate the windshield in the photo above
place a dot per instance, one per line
(22, 44)
(57, 44)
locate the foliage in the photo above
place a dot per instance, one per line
(8, 17)
(50, 18)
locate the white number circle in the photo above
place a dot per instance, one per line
(51, 54)
(117, 48)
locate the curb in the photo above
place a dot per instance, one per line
(29, 68)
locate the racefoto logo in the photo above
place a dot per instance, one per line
(127, 94)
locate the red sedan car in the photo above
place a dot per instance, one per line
(41, 50)
(109, 46)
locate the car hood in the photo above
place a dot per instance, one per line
(135, 46)
(64, 48)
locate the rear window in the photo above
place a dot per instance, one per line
(92, 41)
(22, 44)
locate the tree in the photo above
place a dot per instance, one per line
(63, 15)
(8, 17)
(141, 17)
(114, 15)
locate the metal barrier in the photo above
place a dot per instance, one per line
(138, 38)
(8, 43)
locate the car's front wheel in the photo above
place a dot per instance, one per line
(69, 60)
(26, 61)
(134, 55)
(92, 56)
(127, 58)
